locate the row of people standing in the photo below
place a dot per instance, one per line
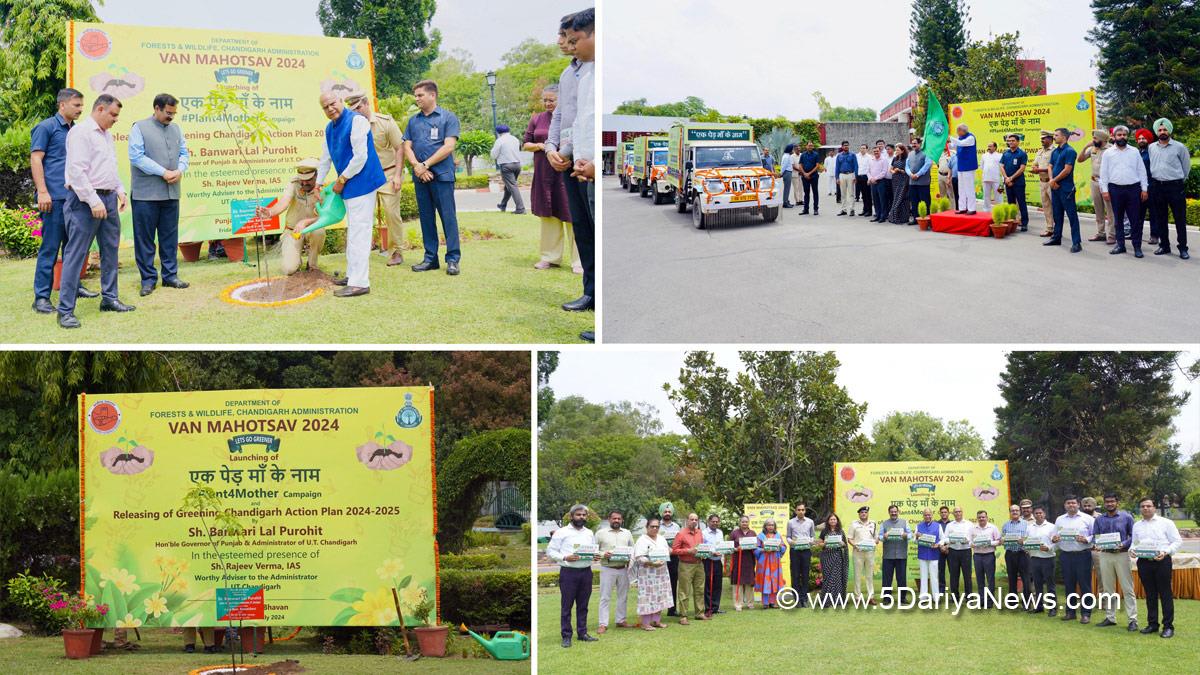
(889, 179)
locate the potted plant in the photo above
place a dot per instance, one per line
(78, 612)
(999, 228)
(431, 639)
(923, 215)
(1011, 216)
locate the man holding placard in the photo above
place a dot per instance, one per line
(1041, 560)
(984, 540)
(862, 538)
(691, 573)
(1155, 540)
(1073, 536)
(958, 549)
(894, 534)
(943, 551)
(615, 544)
(1016, 559)
(1113, 531)
(713, 567)
(573, 547)
(800, 537)
(930, 537)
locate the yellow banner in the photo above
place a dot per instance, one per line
(759, 513)
(991, 121)
(334, 490)
(282, 75)
(915, 486)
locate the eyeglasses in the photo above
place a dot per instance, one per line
(649, 526)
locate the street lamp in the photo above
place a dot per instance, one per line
(491, 80)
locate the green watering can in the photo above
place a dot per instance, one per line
(505, 646)
(330, 211)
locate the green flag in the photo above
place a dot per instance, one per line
(937, 129)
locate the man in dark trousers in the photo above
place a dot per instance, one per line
(158, 158)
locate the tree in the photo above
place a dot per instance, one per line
(397, 30)
(1168, 478)
(691, 107)
(1148, 60)
(474, 143)
(772, 432)
(575, 418)
(989, 71)
(502, 454)
(1083, 422)
(34, 67)
(831, 113)
(937, 31)
(917, 435)
(532, 52)
(547, 363)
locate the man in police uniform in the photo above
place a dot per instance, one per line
(389, 145)
(299, 201)
(1105, 230)
(1041, 166)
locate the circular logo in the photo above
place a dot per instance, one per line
(847, 473)
(938, 128)
(104, 417)
(956, 112)
(94, 44)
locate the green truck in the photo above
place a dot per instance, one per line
(649, 165)
(716, 171)
(625, 164)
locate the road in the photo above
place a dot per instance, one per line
(830, 279)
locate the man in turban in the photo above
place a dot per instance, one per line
(1144, 138)
(1170, 163)
(669, 529)
(299, 203)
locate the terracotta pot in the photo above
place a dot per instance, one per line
(432, 640)
(190, 251)
(998, 231)
(383, 239)
(58, 274)
(924, 223)
(78, 643)
(97, 640)
(235, 248)
(1012, 226)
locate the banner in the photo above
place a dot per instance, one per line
(990, 121)
(282, 75)
(334, 490)
(915, 486)
(758, 514)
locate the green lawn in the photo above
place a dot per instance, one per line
(162, 652)
(854, 640)
(498, 298)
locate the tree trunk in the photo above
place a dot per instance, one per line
(470, 159)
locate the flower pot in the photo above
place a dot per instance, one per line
(383, 239)
(58, 274)
(998, 231)
(190, 251)
(925, 223)
(78, 642)
(97, 640)
(1012, 226)
(432, 640)
(235, 248)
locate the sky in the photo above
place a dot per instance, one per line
(948, 381)
(473, 25)
(742, 61)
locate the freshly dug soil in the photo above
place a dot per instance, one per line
(288, 288)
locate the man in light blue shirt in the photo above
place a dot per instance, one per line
(846, 168)
(785, 168)
(429, 141)
(158, 158)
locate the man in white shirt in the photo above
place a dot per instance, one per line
(1041, 562)
(958, 548)
(861, 189)
(506, 154)
(1124, 186)
(990, 163)
(574, 573)
(796, 181)
(786, 162)
(714, 568)
(830, 171)
(1154, 531)
(1073, 537)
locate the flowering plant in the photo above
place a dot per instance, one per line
(76, 610)
(20, 232)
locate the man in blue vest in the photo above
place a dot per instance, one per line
(158, 157)
(350, 148)
(429, 141)
(968, 162)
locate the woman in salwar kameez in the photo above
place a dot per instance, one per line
(653, 581)
(834, 561)
(741, 566)
(768, 574)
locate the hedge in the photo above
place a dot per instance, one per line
(477, 597)
(474, 561)
(40, 528)
(550, 579)
(502, 454)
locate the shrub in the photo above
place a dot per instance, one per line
(998, 215)
(472, 182)
(476, 597)
(1191, 188)
(526, 534)
(335, 241)
(20, 232)
(474, 561)
(1191, 504)
(550, 579)
(40, 528)
(475, 539)
(1193, 212)
(922, 210)
(27, 594)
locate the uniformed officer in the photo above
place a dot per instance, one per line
(1105, 230)
(389, 145)
(299, 201)
(1041, 166)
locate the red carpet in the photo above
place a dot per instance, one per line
(978, 225)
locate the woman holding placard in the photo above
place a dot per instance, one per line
(651, 554)
(768, 575)
(741, 568)
(834, 562)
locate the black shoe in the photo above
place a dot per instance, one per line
(841, 213)
(147, 289)
(1153, 241)
(452, 268)
(68, 321)
(519, 213)
(815, 212)
(217, 251)
(787, 206)
(426, 266)
(1162, 250)
(1149, 629)
(1106, 622)
(1137, 253)
(341, 281)
(1068, 617)
(581, 304)
(85, 292)
(851, 213)
(1184, 255)
(351, 291)
(1087, 618)
(566, 642)
(501, 207)
(588, 638)
(1076, 248)
(970, 213)
(959, 213)
(189, 649)
(1052, 242)
(671, 612)
(115, 306)
(43, 306)
(175, 282)
(1132, 626)
(1024, 228)
(588, 336)
(1168, 632)
(804, 212)
(1052, 613)
(1117, 250)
